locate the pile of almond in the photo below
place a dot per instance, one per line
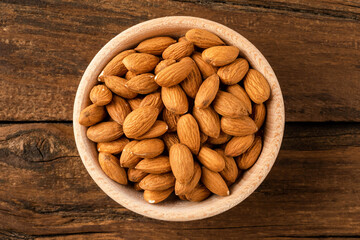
(177, 115)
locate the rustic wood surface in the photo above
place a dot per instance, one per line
(313, 190)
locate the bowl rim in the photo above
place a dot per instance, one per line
(178, 211)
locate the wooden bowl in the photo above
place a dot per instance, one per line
(177, 210)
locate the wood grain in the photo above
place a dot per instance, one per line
(313, 47)
(312, 191)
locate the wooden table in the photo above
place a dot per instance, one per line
(313, 190)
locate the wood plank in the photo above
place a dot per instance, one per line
(313, 47)
(312, 191)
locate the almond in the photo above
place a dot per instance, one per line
(127, 158)
(129, 75)
(203, 38)
(214, 182)
(104, 132)
(184, 188)
(157, 182)
(157, 196)
(256, 86)
(238, 145)
(134, 103)
(170, 139)
(248, 159)
(206, 69)
(174, 99)
(181, 162)
(220, 55)
(198, 194)
(238, 126)
(228, 105)
(140, 121)
(208, 120)
(259, 114)
(203, 138)
(140, 63)
(100, 95)
(178, 50)
(188, 132)
(143, 83)
(240, 93)
(156, 165)
(116, 67)
(91, 115)
(117, 86)
(137, 187)
(148, 148)
(135, 175)
(110, 165)
(158, 129)
(182, 197)
(230, 172)
(207, 91)
(163, 64)
(234, 72)
(211, 159)
(192, 82)
(175, 73)
(113, 147)
(118, 109)
(182, 39)
(155, 45)
(153, 99)
(171, 119)
(223, 138)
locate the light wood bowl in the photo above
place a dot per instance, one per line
(177, 210)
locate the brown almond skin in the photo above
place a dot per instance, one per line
(192, 82)
(174, 99)
(214, 182)
(178, 50)
(171, 119)
(207, 91)
(127, 158)
(140, 121)
(220, 55)
(203, 137)
(203, 38)
(148, 148)
(182, 189)
(157, 165)
(181, 162)
(91, 115)
(110, 165)
(211, 159)
(153, 99)
(170, 139)
(134, 103)
(117, 86)
(256, 86)
(157, 196)
(230, 172)
(142, 84)
(118, 109)
(137, 187)
(140, 63)
(248, 159)
(205, 68)
(116, 67)
(113, 147)
(136, 175)
(163, 64)
(189, 133)
(158, 129)
(238, 145)
(238, 126)
(104, 132)
(241, 94)
(158, 182)
(182, 197)
(259, 114)
(129, 75)
(234, 72)
(198, 194)
(175, 73)
(228, 105)
(100, 95)
(208, 120)
(223, 138)
(155, 45)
